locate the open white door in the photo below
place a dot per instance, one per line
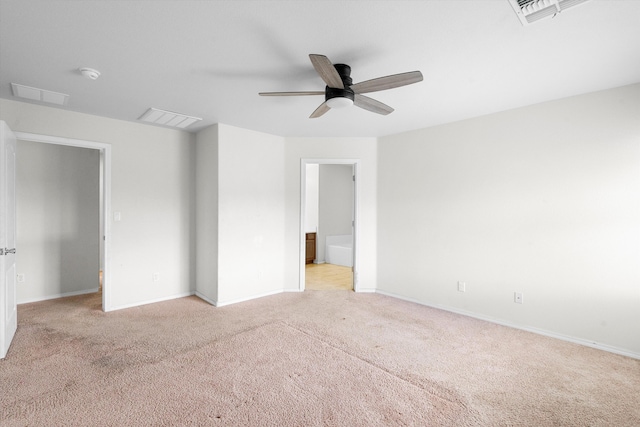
(8, 306)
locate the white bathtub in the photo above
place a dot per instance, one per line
(339, 250)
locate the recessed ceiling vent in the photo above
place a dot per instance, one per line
(530, 11)
(167, 118)
(35, 94)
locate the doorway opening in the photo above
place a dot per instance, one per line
(105, 201)
(329, 224)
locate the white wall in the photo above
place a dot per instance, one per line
(153, 184)
(331, 148)
(256, 233)
(207, 214)
(57, 203)
(250, 214)
(543, 200)
(258, 204)
(336, 203)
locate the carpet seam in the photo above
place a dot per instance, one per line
(371, 363)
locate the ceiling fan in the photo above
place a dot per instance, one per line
(341, 92)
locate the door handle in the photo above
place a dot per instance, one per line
(7, 251)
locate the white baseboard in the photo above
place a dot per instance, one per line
(249, 298)
(63, 295)
(581, 341)
(138, 304)
(206, 299)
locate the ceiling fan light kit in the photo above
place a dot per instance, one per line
(340, 102)
(340, 91)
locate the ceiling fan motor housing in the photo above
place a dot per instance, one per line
(345, 74)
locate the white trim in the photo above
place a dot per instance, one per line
(64, 295)
(235, 301)
(356, 204)
(153, 301)
(249, 298)
(204, 298)
(587, 343)
(105, 150)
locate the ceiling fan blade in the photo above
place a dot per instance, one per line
(323, 108)
(316, 92)
(387, 82)
(371, 104)
(327, 71)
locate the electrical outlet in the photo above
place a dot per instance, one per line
(20, 278)
(517, 297)
(462, 287)
(155, 277)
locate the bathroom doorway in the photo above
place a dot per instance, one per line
(329, 224)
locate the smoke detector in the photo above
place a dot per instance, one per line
(530, 11)
(90, 73)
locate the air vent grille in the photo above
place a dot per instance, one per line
(168, 118)
(524, 3)
(530, 11)
(41, 95)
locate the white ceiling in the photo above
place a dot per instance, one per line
(211, 58)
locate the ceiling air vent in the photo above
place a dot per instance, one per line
(530, 11)
(42, 95)
(168, 118)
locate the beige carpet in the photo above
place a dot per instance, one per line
(317, 358)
